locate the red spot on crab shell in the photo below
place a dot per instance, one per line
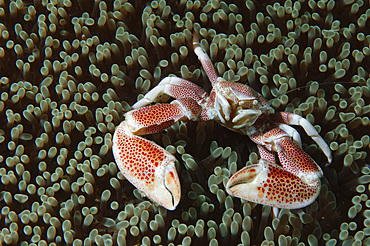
(281, 185)
(139, 157)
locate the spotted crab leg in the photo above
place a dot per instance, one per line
(206, 62)
(149, 167)
(294, 185)
(174, 87)
(294, 119)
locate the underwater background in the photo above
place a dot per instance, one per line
(70, 69)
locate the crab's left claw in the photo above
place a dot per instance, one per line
(270, 184)
(147, 166)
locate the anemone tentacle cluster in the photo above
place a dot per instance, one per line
(70, 69)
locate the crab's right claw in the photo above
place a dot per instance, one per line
(270, 184)
(147, 166)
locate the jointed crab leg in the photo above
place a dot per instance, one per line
(206, 62)
(292, 132)
(294, 119)
(175, 87)
(149, 167)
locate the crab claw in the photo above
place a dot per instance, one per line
(270, 184)
(147, 166)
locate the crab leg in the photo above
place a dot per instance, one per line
(175, 87)
(293, 133)
(295, 185)
(298, 162)
(206, 62)
(266, 154)
(149, 167)
(294, 119)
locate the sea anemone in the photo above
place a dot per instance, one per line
(70, 69)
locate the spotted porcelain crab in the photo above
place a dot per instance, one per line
(151, 169)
